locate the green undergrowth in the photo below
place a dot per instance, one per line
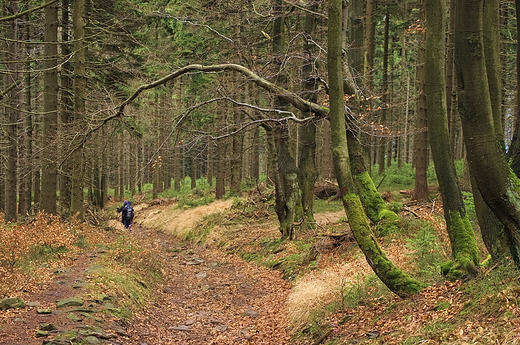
(427, 250)
(322, 206)
(494, 293)
(292, 258)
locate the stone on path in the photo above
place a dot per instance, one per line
(69, 302)
(11, 303)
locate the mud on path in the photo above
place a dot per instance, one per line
(208, 297)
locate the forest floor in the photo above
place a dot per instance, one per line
(209, 296)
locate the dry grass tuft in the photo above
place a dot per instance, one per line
(178, 222)
(320, 288)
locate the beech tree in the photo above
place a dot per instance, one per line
(396, 280)
(486, 158)
(465, 252)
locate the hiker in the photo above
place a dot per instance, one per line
(127, 214)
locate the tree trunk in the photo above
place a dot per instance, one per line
(193, 169)
(79, 14)
(307, 134)
(13, 115)
(67, 101)
(237, 147)
(491, 228)
(177, 166)
(372, 202)
(220, 164)
(370, 45)
(514, 149)
(421, 138)
(465, 253)
(31, 164)
(486, 159)
(49, 178)
(24, 169)
(120, 170)
(384, 94)
(392, 277)
(288, 193)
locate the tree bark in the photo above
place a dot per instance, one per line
(421, 158)
(465, 253)
(13, 116)
(220, 164)
(514, 149)
(491, 228)
(486, 158)
(288, 192)
(49, 178)
(370, 32)
(307, 135)
(382, 148)
(79, 17)
(391, 276)
(67, 101)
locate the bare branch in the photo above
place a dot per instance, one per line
(259, 122)
(304, 9)
(291, 98)
(23, 13)
(289, 116)
(12, 86)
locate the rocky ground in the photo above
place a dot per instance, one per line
(212, 298)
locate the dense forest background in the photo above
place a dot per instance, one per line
(102, 99)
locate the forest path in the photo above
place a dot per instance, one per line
(210, 297)
(207, 297)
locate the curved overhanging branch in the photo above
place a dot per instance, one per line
(280, 92)
(287, 116)
(295, 100)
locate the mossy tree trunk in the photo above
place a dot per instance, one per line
(374, 205)
(486, 159)
(491, 228)
(465, 253)
(396, 280)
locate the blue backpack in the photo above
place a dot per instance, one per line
(129, 212)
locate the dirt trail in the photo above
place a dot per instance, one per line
(19, 326)
(212, 298)
(208, 297)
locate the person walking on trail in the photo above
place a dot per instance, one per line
(127, 214)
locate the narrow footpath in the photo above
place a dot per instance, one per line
(210, 297)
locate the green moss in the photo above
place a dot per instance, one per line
(370, 197)
(388, 222)
(396, 280)
(375, 207)
(465, 252)
(442, 306)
